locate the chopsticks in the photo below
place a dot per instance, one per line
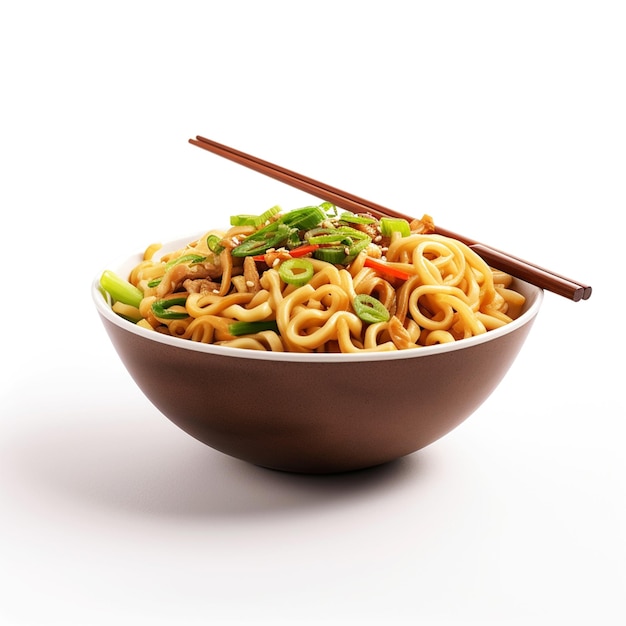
(539, 276)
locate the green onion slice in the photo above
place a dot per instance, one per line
(121, 290)
(305, 218)
(298, 271)
(251, 328)
(185, 258)
(293, 240)
(390, 225)
(343, 253)
(329, 208)
(271, 236)
(338, 246)
(356, 219)
(161, 308)
(331, 254)
(345, 234)
(214, 243)
(254, 220)
(369, 309)
(326, 236)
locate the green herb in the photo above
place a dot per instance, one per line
(251, 328)
(121, 290)
(356, 219)
(369, 309)
(296, 271)
(271, 236)
(214, 244)
(304, 218)
(254, 220)
(284, 231)
(390, 225)
(161, 308)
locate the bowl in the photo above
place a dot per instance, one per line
(315, 413)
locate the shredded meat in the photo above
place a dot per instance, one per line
(251, 274)
(425, 226)
(373, 230)
(200, 285)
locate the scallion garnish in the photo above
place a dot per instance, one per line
(251, 328)
(356, 219)
(390, 225)
(214, 243)
(121, 290)
(185, 258)
(254, 220)
(369, 309)
(161, 308)
(296, 271)
(271, 236)
(304, 218)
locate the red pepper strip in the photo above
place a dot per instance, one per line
(295, 253)
(382, 267)
(303, 250)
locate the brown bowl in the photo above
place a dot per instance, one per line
(316, 413)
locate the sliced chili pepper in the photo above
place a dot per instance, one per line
(294, 253)
(214, 243)
(269, 237)
(384, 268)
(301, 251)
(160, 308)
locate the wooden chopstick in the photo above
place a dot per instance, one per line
(539, 276)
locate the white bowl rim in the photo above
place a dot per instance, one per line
(533, 293)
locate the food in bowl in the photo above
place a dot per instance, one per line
(323, 406)
(316, 280)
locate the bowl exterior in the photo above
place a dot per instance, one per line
(315, 417)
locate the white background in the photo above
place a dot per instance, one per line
(503, 120)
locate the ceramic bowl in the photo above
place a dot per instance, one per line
(319, 413)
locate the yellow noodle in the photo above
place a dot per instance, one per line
(212, 304)
(261, 312)
(127, 310)
(206, 328)
(348, 342)
(266, 340)
(226, 261)
(450, 294)
(438, 336)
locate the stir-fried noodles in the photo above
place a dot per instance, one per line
(317, 280)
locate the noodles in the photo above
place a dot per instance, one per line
(426, 288)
